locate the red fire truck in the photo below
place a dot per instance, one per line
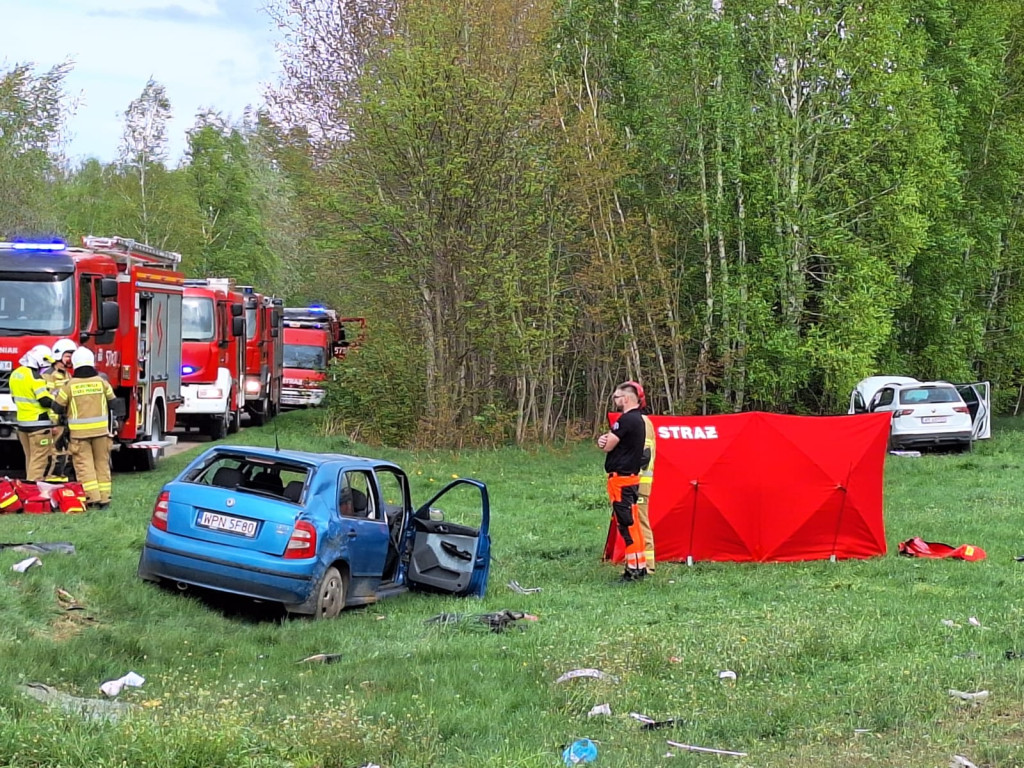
(264, 355)
(312, 336)
(213, 356)
(121, 299)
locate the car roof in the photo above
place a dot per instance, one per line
(303, 457)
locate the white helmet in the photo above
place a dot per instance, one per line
(62, 347)
(38, 357)
(83, 357)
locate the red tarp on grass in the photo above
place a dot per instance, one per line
(766, 487)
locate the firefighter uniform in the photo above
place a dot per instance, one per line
(646, 479)
(85, 398)
(60, 457)
(32, 400)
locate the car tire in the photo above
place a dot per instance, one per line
(330, 594)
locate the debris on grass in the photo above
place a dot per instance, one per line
(320, 658)
(650, 724)
(580, 751)
(959, 761)
(25, 564)
(1010, 654)
(906, 454)
(497, 622)
(600, 709)
(91, 709)
(113, 687)
(597, 674)
(726, 674)
(950, 623)
(709, 750)
(968, 696)
(42, 548)
(973, 621)
(515, 586)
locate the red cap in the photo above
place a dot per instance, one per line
(639, 393)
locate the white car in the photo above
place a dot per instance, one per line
(927, 413)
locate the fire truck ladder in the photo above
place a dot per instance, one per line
(124, 246)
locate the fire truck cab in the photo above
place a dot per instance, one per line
(264, 355)
(213, 356)
(121, 299)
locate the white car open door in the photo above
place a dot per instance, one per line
(978, 397)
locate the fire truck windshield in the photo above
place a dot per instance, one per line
(197, 319)
(305, 357)
(250, 324)
(36, 304)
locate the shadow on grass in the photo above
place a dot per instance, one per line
(244, 610)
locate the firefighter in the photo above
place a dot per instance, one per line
(32, 400)
(646, 480)
(85, 398)
(624, 446)
(60, 468)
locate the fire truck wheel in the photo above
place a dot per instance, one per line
(235, 421)
(219, 426)
(259, 415)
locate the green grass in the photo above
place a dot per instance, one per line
(820, 649)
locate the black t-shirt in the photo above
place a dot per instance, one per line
(626, 457)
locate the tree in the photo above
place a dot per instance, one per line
(143, 150)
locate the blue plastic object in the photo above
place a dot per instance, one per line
(580, 751)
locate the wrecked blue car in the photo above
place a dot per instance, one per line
(314, 532)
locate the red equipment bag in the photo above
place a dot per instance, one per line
(9, 501)
(38, 505)
(70, 499)
(917, 547)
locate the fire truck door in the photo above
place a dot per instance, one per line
(160, 343)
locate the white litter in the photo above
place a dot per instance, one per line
(973, 621)
(959, 761)
(692, 748)
(949, 623)
(515, 586)
(726, 674)
(595, 673)
(25, 564)
(600, 709)
(966, 696)
(114, 687)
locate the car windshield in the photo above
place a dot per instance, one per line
(304, 356)
(197, 319)
(42, 304)
(252, 474)
(927, 395)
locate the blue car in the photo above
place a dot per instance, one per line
(316, 532)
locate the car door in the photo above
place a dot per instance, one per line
(978, 397)
(445, 556)
(364, 531)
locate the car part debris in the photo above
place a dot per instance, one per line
(497, 621)
(959, 761)
(966, 696)
(726, 674)
(25, 564)
(594, 673)
(113, 687)
(650, 724)
(580, 751)
(42, 547)
(320, 658)
(709, 750)
(91, 709)
(515, 586)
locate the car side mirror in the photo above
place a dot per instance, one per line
(436, 514)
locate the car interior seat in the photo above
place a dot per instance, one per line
(226, 477)
(360, 506)
(266, 481)
(293, 491)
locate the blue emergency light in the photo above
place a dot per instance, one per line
(52, 245)
(187, 369)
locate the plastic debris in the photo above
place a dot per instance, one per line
(580, 751)
(595, 673)
(906, 454)
(726, 674)
(973, 621)
(709, 750)
(950, 623)
(91, 709)
(1010, 654)
(320, 658)
(25, 564)
(497, 622)
(515, 586)
(959, 761)
(966, 696)
(113, 687)
(42, 548)
(600, 709)
(650, 724)
(862, 730)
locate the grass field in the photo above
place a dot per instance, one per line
(837, 664)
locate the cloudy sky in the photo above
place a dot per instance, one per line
(207, 54)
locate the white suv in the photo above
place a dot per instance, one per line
(926, 413)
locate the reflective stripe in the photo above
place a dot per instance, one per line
(88, 420)
(46, 423)
(25, 399)
(91, 485)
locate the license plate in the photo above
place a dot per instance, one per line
(218, 522)
(6, 365)
(933, 419)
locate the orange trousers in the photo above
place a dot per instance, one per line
(623, 491)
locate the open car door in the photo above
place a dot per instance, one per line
(445, 556)
(978, 397)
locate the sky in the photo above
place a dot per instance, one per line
(217, 54)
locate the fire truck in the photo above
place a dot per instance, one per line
(312, 337)
(213, 356)
(121, 299)
(264, 355)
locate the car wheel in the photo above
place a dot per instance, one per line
(330, 594)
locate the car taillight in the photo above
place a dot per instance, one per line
(302, 542)
(159, 519)
(905, 412)
(961, 409)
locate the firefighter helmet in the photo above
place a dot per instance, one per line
(39, 356)
(62, 347)
(82, 357)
